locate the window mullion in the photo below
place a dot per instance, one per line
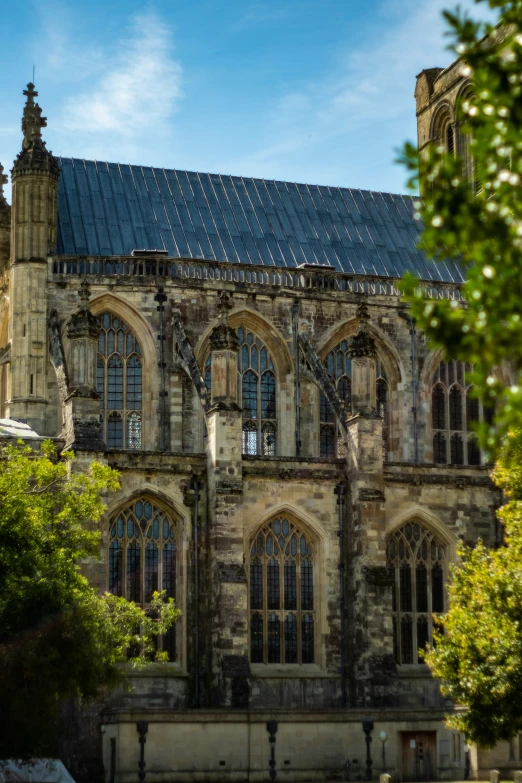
(298, 611)
(398, 610)
(413, 561)
(265, 606)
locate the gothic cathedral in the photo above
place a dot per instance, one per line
(297, 464)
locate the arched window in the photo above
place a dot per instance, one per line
(257, 394)
(339, 367)
(449, 138)
(119, 383)
(142, 557)
(454, 409)
(418, 561)
(282, 609)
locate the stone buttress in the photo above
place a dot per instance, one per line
(371, 667)
(230, 669)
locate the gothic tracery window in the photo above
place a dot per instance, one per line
(143, 557)
(257, 394)
(119, 383)
(418, 562)
(454, 410)
(282, 609)
(339, 367)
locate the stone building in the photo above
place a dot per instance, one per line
(297, 464)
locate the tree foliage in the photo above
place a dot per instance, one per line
(58, 637)
(479, 654)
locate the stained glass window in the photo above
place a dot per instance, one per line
(339, 367)
(418, 562)
(454, 410)
(282, 609)
(142, 557)
(119, 383)
(257, 393)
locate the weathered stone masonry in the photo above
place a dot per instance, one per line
(207, 708)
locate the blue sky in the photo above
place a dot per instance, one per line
(316, 91)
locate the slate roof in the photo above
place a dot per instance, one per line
(109, 209)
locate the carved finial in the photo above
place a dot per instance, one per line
(32, 120)
(225, 305)
(362, 344)
(362, 312)
(34, 155)
(223, 336)
(83, 323)
(84, 292)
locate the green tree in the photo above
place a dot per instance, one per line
(58, 637)
(478, 653)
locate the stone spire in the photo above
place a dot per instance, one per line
(34, 155)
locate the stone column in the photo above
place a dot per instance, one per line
(228, 602)
(33, 236)
(82, 403)
(371, 667)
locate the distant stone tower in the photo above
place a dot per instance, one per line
(33, 237)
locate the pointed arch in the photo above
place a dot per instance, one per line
(142, 332)
(430, 521)
(134, 320)
(256, 323)
(169, 504)
(418, 555)
(388, 354)
(300, 517)
(146, 551)
(283, 559)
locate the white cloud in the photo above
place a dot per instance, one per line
(138, 89)
(371, 84)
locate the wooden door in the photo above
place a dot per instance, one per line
(419, 755)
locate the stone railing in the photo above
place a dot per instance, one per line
(196, 271)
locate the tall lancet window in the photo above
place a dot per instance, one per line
(418, 562)
(454, 410)
(339, 367)
(142, 557)
(119, 383)
(282, 604)
(257, 394)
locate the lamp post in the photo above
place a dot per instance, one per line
(271, 727)
(367, 725)
(383, 736)
(142, 727)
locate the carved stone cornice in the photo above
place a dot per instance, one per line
(361, 344)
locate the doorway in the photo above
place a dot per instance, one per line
(419, 755)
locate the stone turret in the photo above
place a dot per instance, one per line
(5, 223)
(33, 236)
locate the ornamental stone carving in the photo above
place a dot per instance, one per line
(362, 344)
